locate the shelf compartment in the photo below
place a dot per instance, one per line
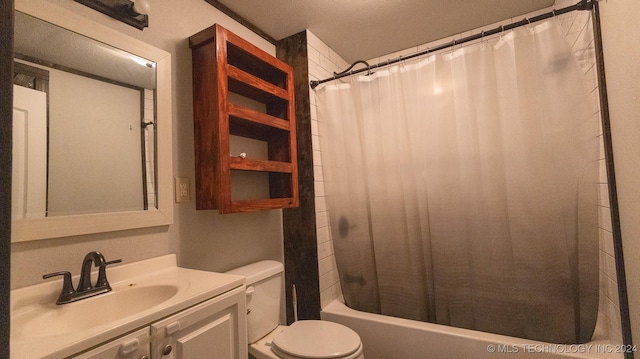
(254, 53)
(256, 66)
(247, 191)
(244, 79)
(276, 106)
(277, 140)
(249, 185)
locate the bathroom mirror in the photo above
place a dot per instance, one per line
(92, 127)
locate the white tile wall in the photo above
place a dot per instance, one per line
(323, 61)
(579, 32)
(149, 138)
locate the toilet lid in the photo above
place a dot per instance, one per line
(317, 339)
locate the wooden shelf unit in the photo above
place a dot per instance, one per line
(224, 63)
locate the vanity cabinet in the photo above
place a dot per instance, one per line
(153, 303)
(133, 346)
(215, 328)
(240, 92)
(211, 329)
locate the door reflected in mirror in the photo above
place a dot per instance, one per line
(84, 114)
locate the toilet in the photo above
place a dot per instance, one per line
(308, 339)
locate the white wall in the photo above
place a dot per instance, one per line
(620, 32)
(202, 239)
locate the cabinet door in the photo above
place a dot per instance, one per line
(132, 346)
(213, 329)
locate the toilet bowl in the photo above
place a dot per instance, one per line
(309, 339)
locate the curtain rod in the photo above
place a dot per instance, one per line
(582, 5)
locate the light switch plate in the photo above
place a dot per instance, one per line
(183, 190)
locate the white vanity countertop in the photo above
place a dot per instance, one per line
(42, 329)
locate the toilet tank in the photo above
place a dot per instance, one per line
(264, 288)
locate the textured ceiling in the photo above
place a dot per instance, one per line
(364, 29)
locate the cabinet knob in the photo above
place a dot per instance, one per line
(144, 357)
(167, 349)
(129, 347)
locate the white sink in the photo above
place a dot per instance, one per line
(143, 292)
(122, 302)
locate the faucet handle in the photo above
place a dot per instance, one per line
(102, 274)
(67, 286)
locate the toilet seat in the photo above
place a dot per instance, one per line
(314, 339)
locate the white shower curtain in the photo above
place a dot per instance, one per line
(461, 188)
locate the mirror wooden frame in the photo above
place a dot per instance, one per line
(73, 225)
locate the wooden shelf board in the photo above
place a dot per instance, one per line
(262, 204)
(248, 164)
(258, 117)
(257, 83)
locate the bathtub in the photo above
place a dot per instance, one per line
(386, 337)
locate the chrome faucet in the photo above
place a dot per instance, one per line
(85, 288)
